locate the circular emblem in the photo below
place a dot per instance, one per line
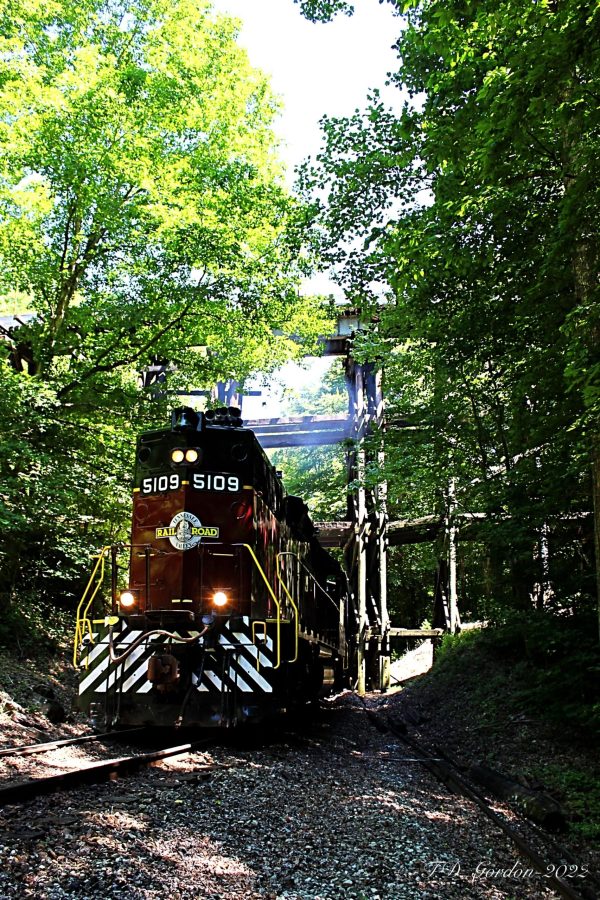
(188, 531)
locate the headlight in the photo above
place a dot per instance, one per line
(220, 599)
(127, 599)
(177, 456)
(191, 455)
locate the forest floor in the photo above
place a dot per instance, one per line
(479, 705)
(471, 704)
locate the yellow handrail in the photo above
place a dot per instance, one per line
(82, 621)
(335, 605)
(290, 598)
(255, 624)
(275, 600)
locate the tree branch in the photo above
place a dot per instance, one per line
(132, 358)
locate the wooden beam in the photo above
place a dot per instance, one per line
(404, 531)
(297, 423)
(301, 431)
(310, 431)
(415, 632)
(414, 531)
(301, 439)
(334, 534)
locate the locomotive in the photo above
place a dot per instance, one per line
(233, 611)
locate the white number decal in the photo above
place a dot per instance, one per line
(158, 484)
(210, 481)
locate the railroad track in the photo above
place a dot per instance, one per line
(448, 772)
(31, 749)
(93, 773)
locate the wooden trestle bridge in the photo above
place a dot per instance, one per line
(366, 533)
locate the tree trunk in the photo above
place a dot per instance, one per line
(596, 495)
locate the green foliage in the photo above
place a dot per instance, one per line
(142, 206)
(317, 474)
(554, 665)
(453, 647)
(35, 629)
(324, 10)
(542, 670)
(143, 218)
(579, 791)
(470, 219)
(65, 491)
(411, 584)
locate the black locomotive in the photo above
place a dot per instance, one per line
(233, 610)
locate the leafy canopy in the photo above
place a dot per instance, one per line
(142, 208)
(470, 219)
(143, 218)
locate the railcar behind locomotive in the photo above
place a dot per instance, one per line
(233, 611)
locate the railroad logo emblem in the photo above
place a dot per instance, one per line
(186, 531)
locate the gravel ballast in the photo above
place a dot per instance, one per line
(338, 810)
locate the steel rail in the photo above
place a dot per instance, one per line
(94, 773)
(531, 825)
(446, 772)
(30, 749)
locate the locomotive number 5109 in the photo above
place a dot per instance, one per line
(201, 481)
(158, 484)
(215, 481)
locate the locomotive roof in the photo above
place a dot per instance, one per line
(224, 448)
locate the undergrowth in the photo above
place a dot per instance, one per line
(546, 671)
(581, 793)
(553, 666)
(34, 628)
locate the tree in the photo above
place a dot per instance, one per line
(477, 208)
(141, 200)
(143, 218)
